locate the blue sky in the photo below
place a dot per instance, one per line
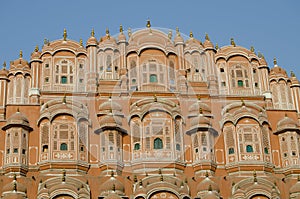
(272, 27)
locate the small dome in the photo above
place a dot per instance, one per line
(199, 105)
(278, 71)
(206, 184)
(112, 186)
(208, 44)
(92, 41)
(3, 73)
(16, 119)
(295, 188)
(178, 38)
(110, 120)
(121, 37)
(211, 195)
(110, 106)
(263, 61)
(200, 120)
(286, 122)
(35, 54)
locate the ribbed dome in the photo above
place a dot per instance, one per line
(109, 120)
(207, 183)
(35, 54)
(199, 105)
(286, 122)
(112, 185)
(178, 39)
(3, 72)
(121, 37)
(295, 188)
(110, 106)
(17, 119)
(92, 41)
(210, 195)
(200, 120)
(278, 71)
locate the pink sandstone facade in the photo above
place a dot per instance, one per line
(148, 115)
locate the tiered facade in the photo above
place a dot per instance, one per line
(148, 115)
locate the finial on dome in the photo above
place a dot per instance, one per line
(14, 177)
(107, 31)
(207, 37)
(148, 23)
(161, 178)
(217, 46)
(129, 32)
(293, 74)
(18, 110)
(80, 42)
(112, 174)
(36, 48)
(155, 98)
(21, 54)
(93, 33)
(252, 49)
(275, 61)
(170, 34)
(113, 187)
(4, 65)
(243, 103)
(200, 110)
(177, 31)
(15, 186)
(232, 42)
(65, 35)
(121, 28)
(191, 34)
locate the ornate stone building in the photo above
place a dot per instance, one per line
(148, 115)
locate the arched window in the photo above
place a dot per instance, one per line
(158, 144)
(240, 83)
(108, 63)
(137, 146)
(231, 151)
(63, 147)
(153, 78)
(249, 148)
(64, 80)
(45, 148)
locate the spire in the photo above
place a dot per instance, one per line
(148, 25)
(170, 34)
(191, 34)
(107, 31)
(217, 46)
(121, 28)
(80, 42)
(65, 35)
(36, 48)
(93, 33)
(252, 49)
(21, 54)
(177, 31)
(207, 37)
(232, 42)
(129, 32)
(275, 61)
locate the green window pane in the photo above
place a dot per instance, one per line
(249, 148)
(153, 78)
(63, 79)
(137, 146)
(63, 147)
(158, 144)
(240, 83)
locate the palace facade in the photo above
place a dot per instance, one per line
(148, 115)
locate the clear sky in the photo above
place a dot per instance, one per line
(272, 27)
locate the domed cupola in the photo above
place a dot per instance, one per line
(19, 64)
(36, 54)
(295, 189)
(110, 113)
(17, 120)
(121, 37)
(92, 41)
(112, 186)
(207, 43)
(178, 39)
(277, 71)
(200, 116)
(287, 124)
(107, 39)
(3, 72)
(208, 188)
